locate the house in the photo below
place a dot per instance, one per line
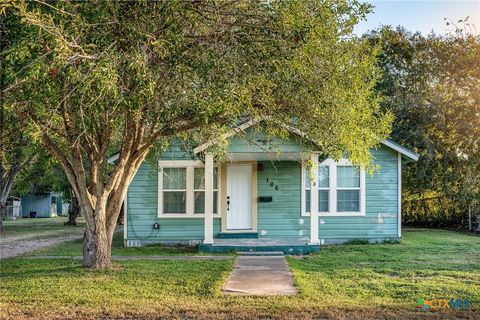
(260, 198)
(41, 205)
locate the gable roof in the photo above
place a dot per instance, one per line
(240, 128)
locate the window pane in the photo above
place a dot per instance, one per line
(200, 201)
(307, 179)
(307, 200)
(348, 200)
(174, 178)
(323, 177)
(199, 178)
(323, 200)
(348, 177)
(174, 201)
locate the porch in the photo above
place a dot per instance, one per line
(259, 205)
(296, 246)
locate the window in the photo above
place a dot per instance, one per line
(199, 190)
(348, 189)
(174, 190)
(182, 189)
(340, 187)
(323, 189)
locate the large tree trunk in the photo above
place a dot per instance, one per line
(101, 224)
(96, 248)
(73, 211)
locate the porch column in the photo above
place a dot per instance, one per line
(208, 238)
(314, 202)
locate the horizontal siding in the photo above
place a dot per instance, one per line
(282, 217)
(143, 209)
(381, 198)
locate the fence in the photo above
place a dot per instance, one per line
(438, 212)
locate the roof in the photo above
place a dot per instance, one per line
(389, 143)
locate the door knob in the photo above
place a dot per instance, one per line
(228, 203)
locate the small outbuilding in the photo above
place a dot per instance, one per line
(42, 205)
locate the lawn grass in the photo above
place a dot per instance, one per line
(32, 228)
(74, 248)
(340, 282)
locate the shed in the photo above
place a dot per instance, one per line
(42, 205)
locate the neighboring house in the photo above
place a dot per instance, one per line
(42, 205)
(260, 197)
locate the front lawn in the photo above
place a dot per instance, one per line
(34, 228)
(341, 282)
(74, 248)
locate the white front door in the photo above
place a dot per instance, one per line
(239, 196)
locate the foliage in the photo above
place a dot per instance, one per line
(356, 282)
(432, 85)
(43, 175)
(100, 76)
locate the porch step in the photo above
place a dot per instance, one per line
(238, 235)
(261, 253)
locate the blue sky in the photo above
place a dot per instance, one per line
(421, 15)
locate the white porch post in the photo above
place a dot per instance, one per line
(314, 202)
(208, 238)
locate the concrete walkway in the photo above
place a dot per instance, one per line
(126, 258)
(260, 276)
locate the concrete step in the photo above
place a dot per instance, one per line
(261, 253)
(238, 235)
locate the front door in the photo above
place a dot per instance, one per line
(239, 197)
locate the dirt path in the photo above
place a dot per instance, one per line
(13, 247)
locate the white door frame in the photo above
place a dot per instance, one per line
(249, 225)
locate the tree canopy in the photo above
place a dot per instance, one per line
(100, 76)
(432, 85)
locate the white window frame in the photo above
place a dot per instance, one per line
(203, 190)
(189, 165)
(332, 194)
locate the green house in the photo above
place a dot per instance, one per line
(261, 197)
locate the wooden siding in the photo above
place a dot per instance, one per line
(41, 204)
(282, 217)
(142, 213)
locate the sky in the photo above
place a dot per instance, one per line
(421, 15)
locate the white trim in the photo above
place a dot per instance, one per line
(180, 163)
(314, 202)
(332, 194)
(227, 135)
(125, 218)
(189, 166)
(395, 146)
(208, 222)
(399, 203)
(389, 143)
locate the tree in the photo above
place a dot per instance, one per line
(96, 77)
(432, 85)
(16, 148)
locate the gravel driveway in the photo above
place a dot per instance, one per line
(14, 247)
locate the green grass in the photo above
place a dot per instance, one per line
(341, 282)
(40, 228)
(74, 248)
